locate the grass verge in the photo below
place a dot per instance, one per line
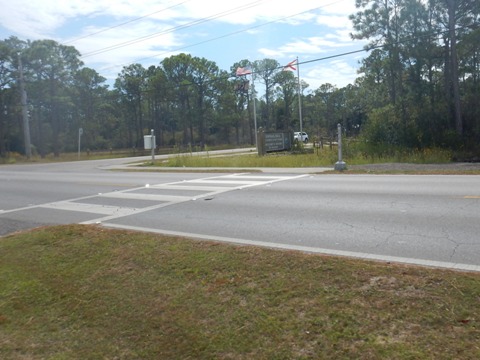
(245, 161)
(85, 292)
(311, 158)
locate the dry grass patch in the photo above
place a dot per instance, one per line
(85, 292)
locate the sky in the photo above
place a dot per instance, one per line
(111, 34)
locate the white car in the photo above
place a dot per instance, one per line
(300, 136)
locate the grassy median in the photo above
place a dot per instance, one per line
(85, 292)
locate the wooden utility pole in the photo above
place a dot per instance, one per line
(452, 6)
(26, 125)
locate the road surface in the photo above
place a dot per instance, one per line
(428, 220)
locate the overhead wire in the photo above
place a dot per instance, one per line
(229, 34)
(124, 23)
(365, 49)
(176, 28)
(240, 8)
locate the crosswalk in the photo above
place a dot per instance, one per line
(127, 202)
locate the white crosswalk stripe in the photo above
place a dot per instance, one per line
(158, 196)
(152, 197)
(90, 208)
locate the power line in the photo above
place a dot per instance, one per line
(230, 34)
(173, 29)
(371, 48)
(125, 23)
(365, 49)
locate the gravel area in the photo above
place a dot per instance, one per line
(460, 166)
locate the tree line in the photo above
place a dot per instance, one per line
(418, 87)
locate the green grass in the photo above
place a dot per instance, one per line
(358, 155)
(16, 158)
(320, 157)
(245, 161)
(85, 292)
(354, 154)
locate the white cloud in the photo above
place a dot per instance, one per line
(321, 31)
(40, 18)
(37, 18)
(309, 46)
(298, 19)
(271, 53)
(334, 21)
(140, 38)
(14, 17)
(338, 73)
(342, 7)
(340, 35)
(109, 60)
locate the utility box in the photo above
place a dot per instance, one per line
(149, 142)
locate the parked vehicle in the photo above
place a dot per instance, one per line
(300, 136)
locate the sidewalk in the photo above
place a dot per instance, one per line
(139, 167)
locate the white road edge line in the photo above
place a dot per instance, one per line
(351, 254)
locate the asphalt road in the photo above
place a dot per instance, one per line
(429, 220)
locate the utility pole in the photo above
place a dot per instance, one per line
(254, 111)
(26, 125)
(299, 100)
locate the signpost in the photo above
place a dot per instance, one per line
(340, 165)
(80, 133)
(153, 145)
(277, 141)
(273, 141)
(149, 143)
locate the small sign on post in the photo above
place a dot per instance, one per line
(149, 143)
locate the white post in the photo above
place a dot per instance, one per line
(340, 165)
(153, 145)
(80, 132)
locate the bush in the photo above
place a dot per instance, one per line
(386, 127)
(298, 147)
(382, 127)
